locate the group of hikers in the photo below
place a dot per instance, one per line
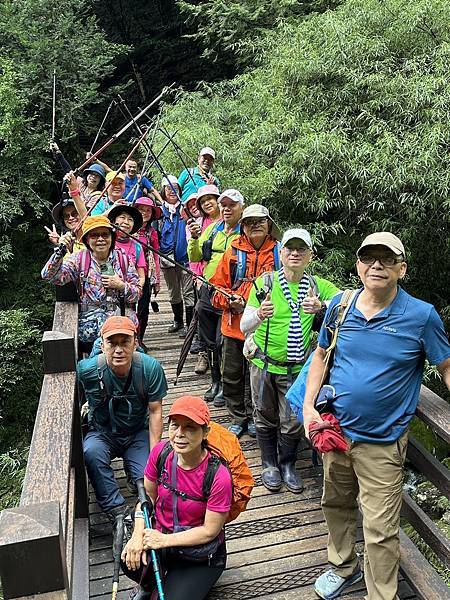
(256, 306)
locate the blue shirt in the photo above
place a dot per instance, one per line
(188, 186)
(173, 235)
(378, 365)
(102, 206)
(131, 185)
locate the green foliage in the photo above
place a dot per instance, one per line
(12, 472)
(20, 375)
(37, 37)
(344, 128)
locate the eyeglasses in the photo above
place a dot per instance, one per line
(386, 261)
(254, 221)
(96, 236)
(302, 250)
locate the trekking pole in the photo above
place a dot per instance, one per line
(175, 263)
(133, 150)
(112, 103)
(144, 166)
(155, 158)
(177, 152)
(145, 507)
(117, 551)
(54, 106)
(117, 135)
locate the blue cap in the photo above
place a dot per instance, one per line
(95, 168)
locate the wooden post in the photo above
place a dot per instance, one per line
(32, 551)
(59, 352)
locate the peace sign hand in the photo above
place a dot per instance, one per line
(53, 235)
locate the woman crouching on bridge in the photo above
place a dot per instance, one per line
(189, 528)
(106, 281)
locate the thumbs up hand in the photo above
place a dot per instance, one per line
(311, 304)
(267, 309)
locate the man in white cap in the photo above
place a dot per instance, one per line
(192, 179)
(376, 374)
(281, 315)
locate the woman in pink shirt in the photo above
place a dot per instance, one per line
(149, 238)
(183, 518)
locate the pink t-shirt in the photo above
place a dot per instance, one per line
(197, 267)
(149, 236)
(132, 250)
(191, 513)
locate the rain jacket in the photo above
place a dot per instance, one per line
(258, 262)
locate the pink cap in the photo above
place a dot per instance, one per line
(145, 201)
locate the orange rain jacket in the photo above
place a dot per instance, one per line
(258, 262)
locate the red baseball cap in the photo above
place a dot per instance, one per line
(192, 407)
(115, 325)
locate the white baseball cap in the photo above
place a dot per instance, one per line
(296, 234)
(170, 179)
(207, 150)
(234, 195)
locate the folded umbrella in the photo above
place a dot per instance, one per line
(327, 436)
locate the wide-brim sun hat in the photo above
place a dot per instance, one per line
(95, 222)
(118, 208)
(57, 210)
(260, 211)
(384, 238)
(146, 201)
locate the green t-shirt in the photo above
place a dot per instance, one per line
(220, 243)
(279, 323)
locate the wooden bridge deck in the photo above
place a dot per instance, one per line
(276, 549)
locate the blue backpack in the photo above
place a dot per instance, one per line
(238, 269)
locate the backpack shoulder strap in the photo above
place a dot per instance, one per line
(123, 262)
(276, 257)
(161, 460)
(101, 370)
(214, 463)
(313, 285)
(344, 305)
(84, 264)
(138, 377)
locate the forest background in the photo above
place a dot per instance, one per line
(334, 114)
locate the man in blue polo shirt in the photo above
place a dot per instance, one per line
(377, 372)
(136, 184)
(192, 179)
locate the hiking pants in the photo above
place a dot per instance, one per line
(209, 320)
(180, 286)
(100, 449)
(181, 578)
(270, 407)
(143, 307)
(234, 374)
(375, 472)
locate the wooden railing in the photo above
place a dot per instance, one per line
(44, 543)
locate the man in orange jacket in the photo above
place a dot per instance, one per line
(254, 252)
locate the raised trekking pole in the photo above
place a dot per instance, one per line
(117, 551)
(54, 106)
(176, 148)
(145, 507)
(117, 135)
(112, 103)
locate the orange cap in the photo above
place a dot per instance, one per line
(115, 325)
(193, 407)
(92, 222)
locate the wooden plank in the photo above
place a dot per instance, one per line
(80, 571)
(418, 572)
(427, 529)
(47, 473)
(65, 318)
(429, 466)
(70, 523)
(434, 411)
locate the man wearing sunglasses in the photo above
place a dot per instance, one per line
(377, 372)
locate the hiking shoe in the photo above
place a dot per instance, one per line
(329, 585)
(219, 400)
(182, 333)
(202, 363)
(251, 429)
(238, 430)
(197, 346)
(176, 326)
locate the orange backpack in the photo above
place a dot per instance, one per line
(225, 449)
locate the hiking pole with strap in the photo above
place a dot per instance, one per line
(145, 507)
(177, 152)
(175, 263)
(144, 166)
(112, 103)
(54, 106)
(117, 551)
(117, 135)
